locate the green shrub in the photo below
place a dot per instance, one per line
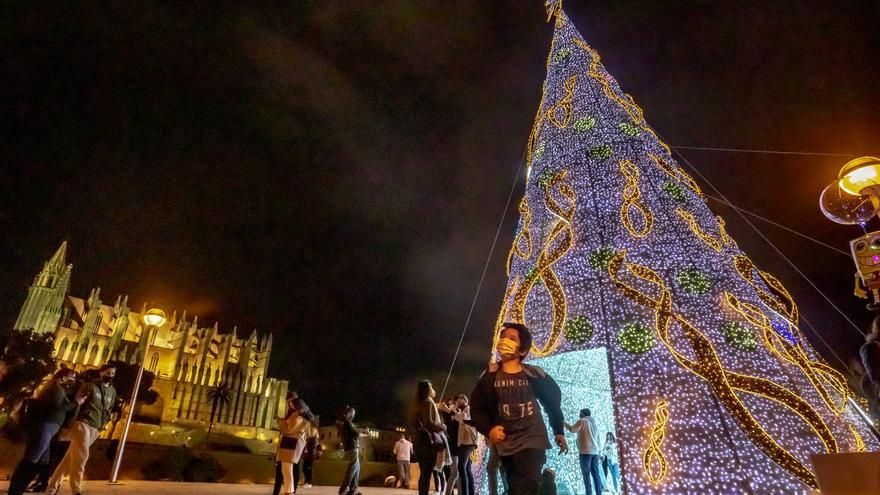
(204, 469)
(169, 467)
(182, 464)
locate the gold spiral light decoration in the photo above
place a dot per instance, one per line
(691, 222)
(559, 243)
(632, 201)
(653, 459)
(725, 384)
(828, 382)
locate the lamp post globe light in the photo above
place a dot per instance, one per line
(153, 319)
(854, 198)
(860, 174)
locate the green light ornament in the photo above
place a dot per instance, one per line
(601, 152)
(584, 124)
(578, 330)
(675, 191)
(693, 281)
(599, 258)
(636, 338)
(630, 129)
(739, 336)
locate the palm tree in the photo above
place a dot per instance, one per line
(219, 395)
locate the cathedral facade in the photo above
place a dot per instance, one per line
(190, 362)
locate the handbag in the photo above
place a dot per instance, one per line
(436, 439)
(288, 443)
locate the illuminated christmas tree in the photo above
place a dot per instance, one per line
(647, 312)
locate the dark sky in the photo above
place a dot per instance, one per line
(334, 172)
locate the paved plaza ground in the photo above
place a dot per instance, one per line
(166, 488)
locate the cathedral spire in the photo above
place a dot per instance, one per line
(58, 259)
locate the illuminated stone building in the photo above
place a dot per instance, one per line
(187, 359)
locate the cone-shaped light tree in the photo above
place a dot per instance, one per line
(647, 312)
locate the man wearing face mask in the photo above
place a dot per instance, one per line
(45, 416)
(94, 414)
(506, 407)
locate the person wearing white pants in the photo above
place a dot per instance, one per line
(93, 415)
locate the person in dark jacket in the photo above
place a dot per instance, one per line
(426, 422)
(350, 435)
(311, 454)
(93, 416)
(60, 443)
(506, 407)
(870, 354)
(46, 413)
(450, 472)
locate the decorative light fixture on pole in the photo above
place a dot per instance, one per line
(153, 319)
(854, 199)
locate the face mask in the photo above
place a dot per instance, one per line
(107, 379)
(507, 347)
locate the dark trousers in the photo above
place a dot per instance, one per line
(465, 474)
(493, 469)
(307, 470)
(279, 478)
(523, 471)
(590, 469)
(36, 454)
(427, 459)
(57, 450)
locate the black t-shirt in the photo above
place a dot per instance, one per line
(520, 414)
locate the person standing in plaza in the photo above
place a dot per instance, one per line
(429, 437)
(293, 427)
(349, 434)
(449, 474)
(403, 450)
(99, 399)
(46, 414)
(506, 407)
(870, 354)
(588, 447)
(609, 452)
(310, 454)
(467, 443)
(294, 402)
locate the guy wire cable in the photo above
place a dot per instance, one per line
(770, 152)
(483, 276)
(768, 241)
(783, 227)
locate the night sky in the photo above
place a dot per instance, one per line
(334, 172)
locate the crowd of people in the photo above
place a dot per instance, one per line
(68, 412)
(505, 406)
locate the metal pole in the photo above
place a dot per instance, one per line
(117, 460)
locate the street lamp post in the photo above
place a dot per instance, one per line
(153, 318)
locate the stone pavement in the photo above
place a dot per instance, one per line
(167, 488)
